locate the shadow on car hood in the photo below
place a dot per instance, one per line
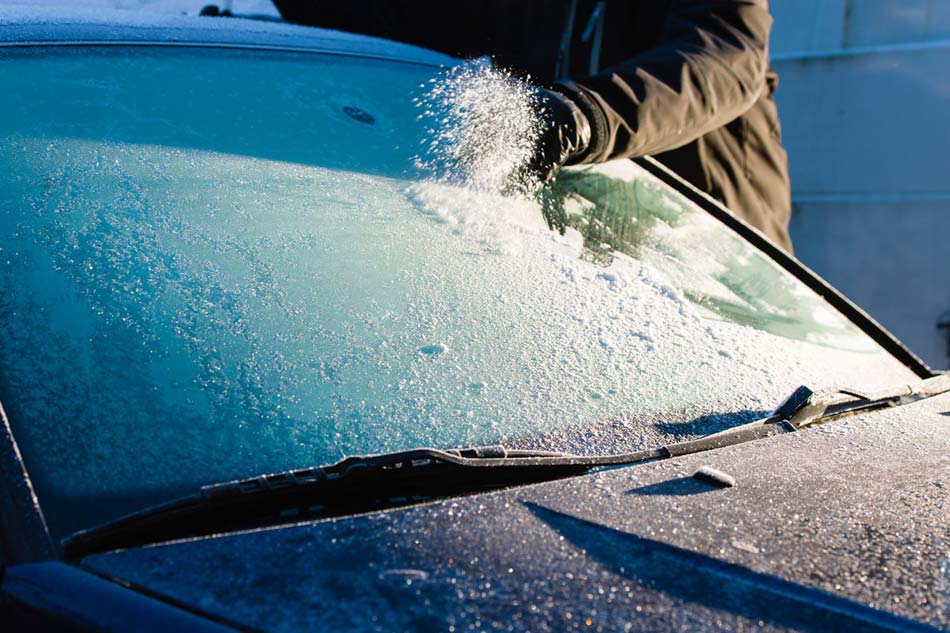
(841, 525)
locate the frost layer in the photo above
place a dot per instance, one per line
(188, 298)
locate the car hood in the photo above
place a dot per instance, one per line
(830, 527)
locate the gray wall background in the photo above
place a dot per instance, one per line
(864, 97)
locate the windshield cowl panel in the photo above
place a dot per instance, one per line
(203, 279)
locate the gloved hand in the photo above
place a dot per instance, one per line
(565, 134)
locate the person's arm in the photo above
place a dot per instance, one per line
(709, 69)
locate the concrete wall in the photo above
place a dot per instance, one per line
(864, 97)
(873, 22)
(822, 25)
(807, 25)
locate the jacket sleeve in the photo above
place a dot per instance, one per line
(709, 68)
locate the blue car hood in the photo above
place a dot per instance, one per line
(843, 525)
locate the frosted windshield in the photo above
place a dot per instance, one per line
(215, 264)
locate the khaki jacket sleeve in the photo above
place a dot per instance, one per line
(708, 70)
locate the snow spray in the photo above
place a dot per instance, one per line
(481, 129)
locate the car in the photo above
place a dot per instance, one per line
(264, 369)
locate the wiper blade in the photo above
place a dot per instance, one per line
(353, 485)
(362, 484)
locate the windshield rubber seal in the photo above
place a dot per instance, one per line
(822, 288)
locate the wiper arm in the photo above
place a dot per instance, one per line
(362, 484)
(806, 408)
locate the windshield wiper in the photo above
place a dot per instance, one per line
(356, 485)
(362, 484)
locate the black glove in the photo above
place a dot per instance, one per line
(565, 134)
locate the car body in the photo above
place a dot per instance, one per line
(220, 263)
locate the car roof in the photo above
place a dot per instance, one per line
(29, 26)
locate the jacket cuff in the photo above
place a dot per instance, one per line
(597, 148)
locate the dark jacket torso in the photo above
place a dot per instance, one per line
(687, 81)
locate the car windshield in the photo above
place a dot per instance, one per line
(219, 263)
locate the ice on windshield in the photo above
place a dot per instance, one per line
(217, 264)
